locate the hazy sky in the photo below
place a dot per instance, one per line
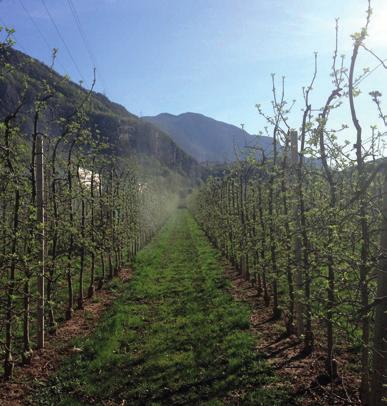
(208, 56)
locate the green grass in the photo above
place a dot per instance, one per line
(175, 336)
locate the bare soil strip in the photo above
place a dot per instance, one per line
(305, 374)
(284, 353)
(46, 362)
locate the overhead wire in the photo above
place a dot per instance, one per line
(82, 33)
(42, 36)
(63, 40)
(86, 43)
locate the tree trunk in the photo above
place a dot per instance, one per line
(8, 359)
(299, 308)
(379, 364)
(82, 258)
(70, 299)
(273, 244)
(40, 221)
(290, 328)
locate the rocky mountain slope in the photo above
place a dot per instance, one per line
(130, 135)
(207, 139)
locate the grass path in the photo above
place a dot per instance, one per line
(174, 336)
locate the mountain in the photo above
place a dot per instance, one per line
(207, 139)
(129, 135)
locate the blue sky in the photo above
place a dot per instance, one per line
(208, 56)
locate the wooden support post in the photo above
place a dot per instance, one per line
(41, 242)
(379, 364)
(299, 311)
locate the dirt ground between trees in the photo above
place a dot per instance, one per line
(304, 374)
(45, 362)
